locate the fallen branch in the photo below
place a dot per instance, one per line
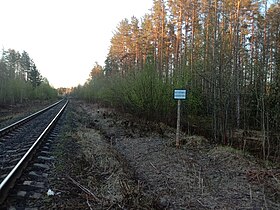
(89, 204)
(275, 178)
(158, 171)
(202, 204)
(84, 189)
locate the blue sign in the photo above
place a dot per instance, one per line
(180, 94)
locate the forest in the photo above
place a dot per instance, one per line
(20, 80)
(225, 53)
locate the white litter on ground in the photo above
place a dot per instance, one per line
(50, 192)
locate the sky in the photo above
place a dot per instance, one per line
(65, 37)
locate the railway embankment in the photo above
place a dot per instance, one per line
(117, 161)
(103, 159)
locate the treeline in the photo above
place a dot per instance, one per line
(226, 53)
(20, 80)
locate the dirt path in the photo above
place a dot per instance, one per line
(114, 161)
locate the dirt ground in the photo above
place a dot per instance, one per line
(12, 113)
(110, 160)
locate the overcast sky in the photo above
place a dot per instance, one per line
(65, 37)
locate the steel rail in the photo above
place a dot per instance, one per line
(16, 172)
(26, 119)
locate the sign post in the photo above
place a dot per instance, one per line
(179, 94)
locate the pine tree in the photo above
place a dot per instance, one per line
(34, 76)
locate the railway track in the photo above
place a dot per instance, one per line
(23, 142)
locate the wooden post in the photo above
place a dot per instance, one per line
(179, 94)
(178, 124)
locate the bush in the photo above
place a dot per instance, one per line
(143, 93)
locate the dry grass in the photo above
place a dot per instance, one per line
(133, 164)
